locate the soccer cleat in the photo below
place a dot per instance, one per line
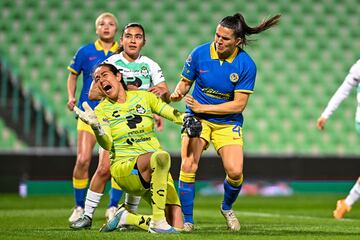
(115, 222)
(82, 223)
(161, 227)
(110, 213)
(231, 220)
(76, 214)
(341, 209)
(188, 227)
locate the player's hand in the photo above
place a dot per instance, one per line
(192, 126)
(88, 116)
(71, 104)
(176, 96)
(321, 123)
(159, 122)
(193, 104)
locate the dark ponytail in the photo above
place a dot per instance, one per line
(241, 29)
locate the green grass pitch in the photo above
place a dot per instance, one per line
(305, 216)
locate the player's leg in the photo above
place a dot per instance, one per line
(173, 209)
(227, 140)
(85, 145)
(344, 205)
(232, 156)
(191, 149)
(95, 191)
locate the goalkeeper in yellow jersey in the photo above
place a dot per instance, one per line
(123, 124)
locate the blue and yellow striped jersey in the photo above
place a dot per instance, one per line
(129, 126)
(216, 81)
(84, 61)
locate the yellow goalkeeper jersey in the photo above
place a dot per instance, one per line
(129, 126)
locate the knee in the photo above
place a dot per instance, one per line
(83, 161)
(235, 174)
(189, 165)
(161, 159)
(103, 171)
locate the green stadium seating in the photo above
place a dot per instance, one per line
(300, 63)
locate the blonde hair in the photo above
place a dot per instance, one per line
(106, 14)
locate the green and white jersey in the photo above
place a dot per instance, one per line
(143, 72)
(352, 80)
(129, 126)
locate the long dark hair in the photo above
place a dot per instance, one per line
(132, 24)
(112, 69)
(237, 23)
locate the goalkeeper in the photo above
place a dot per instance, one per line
(123, 124)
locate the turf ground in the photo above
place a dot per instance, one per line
(296, 217)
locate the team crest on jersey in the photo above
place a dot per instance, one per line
(140, 109)
(234, 77)
(144, 71)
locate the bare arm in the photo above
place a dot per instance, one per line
(94, 92)
(181, 89)
(162, 91)
(236, 106)
(71, 89)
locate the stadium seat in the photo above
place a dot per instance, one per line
(300, 62)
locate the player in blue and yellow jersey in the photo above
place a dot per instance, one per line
(223, 75)
(83, 62)
(123, 124)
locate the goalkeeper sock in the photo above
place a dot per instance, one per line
(80, 186)
(160, 165)
(92, 202)
(141, 221)
(115, 194)
(231, 191)
(187, 195)
(354, 194)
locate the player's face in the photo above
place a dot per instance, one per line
(107, 82)
(106, 29)
(132, 40)
(225, 41)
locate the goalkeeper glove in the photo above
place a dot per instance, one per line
(191, 126)
(89, 117)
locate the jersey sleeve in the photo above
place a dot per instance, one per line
(163, 109)
(105, 140)
(247, 82)
(157, 75)
(77, 62)
(190, 66)
(351, 81)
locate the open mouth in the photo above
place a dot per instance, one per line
(107, 88)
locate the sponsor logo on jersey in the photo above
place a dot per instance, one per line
(215, 94)
(131, 141)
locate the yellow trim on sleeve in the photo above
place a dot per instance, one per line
(244, 91)
(72, 70)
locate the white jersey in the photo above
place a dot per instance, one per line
(143, 72)
(351, 81)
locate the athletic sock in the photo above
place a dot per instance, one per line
(132, 202)
(91, 203)
(231, 191)
(160, 165)
(80, 186)
(115, 194)
(354, 194)
(187, 195)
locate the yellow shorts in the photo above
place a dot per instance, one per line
(128, 179)
(221, 134)
(82, 126)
